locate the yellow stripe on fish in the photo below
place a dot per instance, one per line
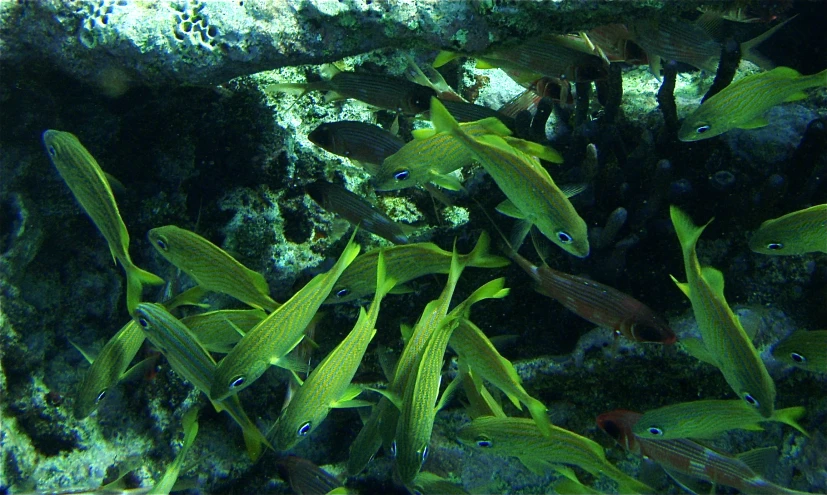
(327, 386)
(708, 419)
(405, 263)
(193, 362)
(521, 438)
(83, 175)
(526, 184)
(211, 267)
(721, 331)
(742, 104)
(805, 350)
(269, 342)
(799, 232)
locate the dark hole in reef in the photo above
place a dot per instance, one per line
(297, 228)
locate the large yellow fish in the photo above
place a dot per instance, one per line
(532, 194)
(799, 232)
(721, 331)
(708, 419)
(211, 267)
(269, 342)
(328, 385)
(742, 104)
(90, 187)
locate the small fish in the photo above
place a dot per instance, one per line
(405, 263)
(391, 93)
(354, 209)
(306, 478)
(211, 267)
(108, 368)
(83, 175)
(329, 384)
(708, 419)
(687, 457)
(532, 194)
(799, 232)
(721, 331)
(520, 437)
(269, 342)
(193, 362)
(742, 104)
(219, 331)
(431, 156)
(598, 303)
(480, 355)
(366, 143)
(805, 350)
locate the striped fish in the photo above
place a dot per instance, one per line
(800, 232)
(219, 331)
(520, 438)
(480, 355)
(405, 263)
(366, 143)
(83, 175)
(269, 342)
(598, 303)
(708, 419)
(531, 192)
(328, 385)
(721, 331)
(108, 368)
(742, 104)
(193, 362)
(211, 267)
(390, 93)
(354, 209)
(805, 350)
(687, 457)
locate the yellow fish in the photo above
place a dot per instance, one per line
(532, 194)
(799, 232)
(211, 267)
(90, 187)
(742, 104)
(805, 350)
(708, 419)
(721, 331)
(269, 342)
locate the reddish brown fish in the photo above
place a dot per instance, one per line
(600, 304)
(687, 457)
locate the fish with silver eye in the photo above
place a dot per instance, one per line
(367, 144)
(804, 349)
(799, 232)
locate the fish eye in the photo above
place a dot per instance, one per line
(52, 151)
(393, 449)
(484, 442)
(401, 175)
(342, 293)
(774, 246)
(654, 430)
(142, 321)
(100, 396)
(703, 128)
(304, 429)
(798, 358)
(751, 400)
(162, 243)
(564, 237)
(237, 382)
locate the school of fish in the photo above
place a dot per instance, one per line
(223, 351)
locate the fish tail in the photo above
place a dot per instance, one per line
(254, 441)
(748, 47)
(789, 416)
(136, 278)
(688, 232)
(480, 257)
(443, 58)
(539, 413)
(383, 283)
